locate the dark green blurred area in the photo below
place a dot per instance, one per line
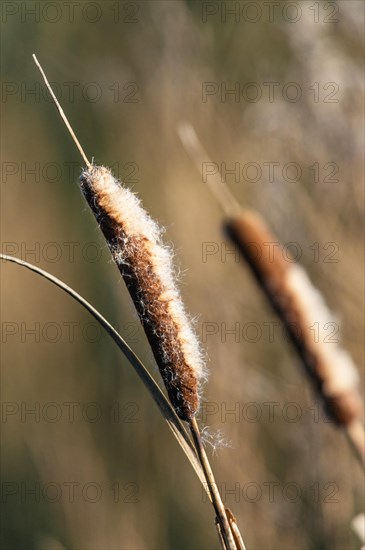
(104, 470)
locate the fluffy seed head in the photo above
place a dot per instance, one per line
(147, 269)
(300, 306)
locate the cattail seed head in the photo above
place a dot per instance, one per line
(147, 269)
(300, 306)
(254, 239)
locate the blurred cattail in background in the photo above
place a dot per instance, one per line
(298, 303)
(302, 308)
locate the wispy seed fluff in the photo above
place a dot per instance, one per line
(300, 305)
(147, 269)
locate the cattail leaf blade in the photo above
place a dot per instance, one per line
(163, 404)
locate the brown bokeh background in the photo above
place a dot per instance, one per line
(121, 481)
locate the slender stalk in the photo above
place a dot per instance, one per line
(199, 156)
(61, 111)
(220, 536)
(225, 529)
(234, 528)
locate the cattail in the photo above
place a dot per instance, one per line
(300, 305)
(146, 266)
(294, 298)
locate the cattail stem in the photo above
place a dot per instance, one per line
(225, 529)
(60, 110)
(220, 536)
(234, 528)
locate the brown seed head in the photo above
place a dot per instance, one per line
(146, 267)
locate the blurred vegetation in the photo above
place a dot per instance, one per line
(133, 487)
